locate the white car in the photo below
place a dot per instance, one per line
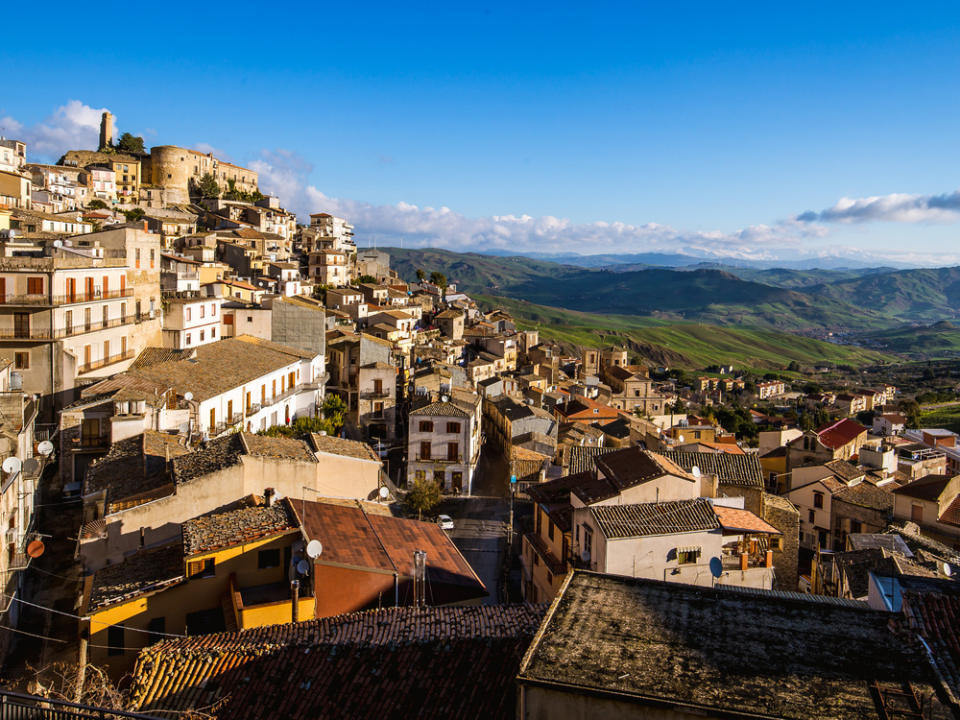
(445, 522)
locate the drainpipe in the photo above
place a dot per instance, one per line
(396, 588)
(295, 591)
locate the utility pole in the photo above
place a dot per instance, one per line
(513, 486)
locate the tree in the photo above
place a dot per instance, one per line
(303, 426)
(208, 186)
(420, 275)
(334, 409)
(131, 144)
(438, 279)
(366, 279)
(97, 204)
(423, 496)
(134, 215)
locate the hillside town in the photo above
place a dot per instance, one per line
(250, 471)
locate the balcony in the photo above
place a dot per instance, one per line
(253, 409)
(97, 364)
(45, 333)
(554, 564)
(446, 459)
(68, 299)
(374, 395)
(91, 442)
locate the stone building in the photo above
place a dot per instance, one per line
(173, 169)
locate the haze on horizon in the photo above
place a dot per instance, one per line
(751, 132)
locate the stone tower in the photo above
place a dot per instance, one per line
(106, 130)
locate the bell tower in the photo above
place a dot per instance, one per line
(106, 130)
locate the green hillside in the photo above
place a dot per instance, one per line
(713, 296)
(940, 340)
(926, 295)
(685, 344)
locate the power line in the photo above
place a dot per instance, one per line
(33, 635)
(88, 618)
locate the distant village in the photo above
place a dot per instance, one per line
(250, 472)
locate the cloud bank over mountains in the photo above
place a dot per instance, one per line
(284, 173)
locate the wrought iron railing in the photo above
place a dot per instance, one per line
(18, 706)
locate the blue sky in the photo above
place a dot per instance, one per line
(705, 127)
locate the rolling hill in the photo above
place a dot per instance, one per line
(707, 295)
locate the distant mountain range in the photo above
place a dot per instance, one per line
(680, 260)
(849, 301)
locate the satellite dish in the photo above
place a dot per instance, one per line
(695, 472)
(58, 243)
(303, 567)
(12, 465)
(947, 570)
(384, 493)
(679, 438)
(716, 567)
(314, 548)
(188, 396)
(35, 548)
(45, 448)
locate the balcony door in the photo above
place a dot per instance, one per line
(21, 325)
(88, 288)
(71, 289)
(3, 290)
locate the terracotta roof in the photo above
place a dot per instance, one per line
(391, 663)
(134, 467)
(843, 470)
(722, 651)
(278, 347)
(632, 466)
(440, 409)
(584, 457)
(865, 495)
(740, 470)
(663, 518)
(216, 454)
(154, 355)
(928, 487)
(737, 519)
(144, 571)
(218, 367)
(936, 616)
(234, 527)
(355, 538)
(277, 447)
(838, 434)
(341, 446)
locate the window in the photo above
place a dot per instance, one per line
(201, 335)
(114, 640)
(420, 475)
(228, 319)
(213, 332)
(811, 516)
(453, 451)
(818, 500)
(268, 559)
(156, 628)
(856, 526)
(550, 529)
(203, 311)
(453, 428)
(35, 286)
(587, 542)
(688, 555)
(201, 568)
(187, 339)
(213, 309)
(426, 426)
(916, 513)
(21, 360)
(425, 451)
(438, 477)
(188, 310)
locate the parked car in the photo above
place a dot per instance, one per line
(445, 522)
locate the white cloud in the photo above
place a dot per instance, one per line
(74, 126)
(283, 173)
(897, 207)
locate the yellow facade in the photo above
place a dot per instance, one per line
(234, 569)
(544, 558)
(127, 178)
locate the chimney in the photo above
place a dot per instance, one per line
(769, 562)
(268, 496)
(744, 557)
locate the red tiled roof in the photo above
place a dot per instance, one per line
(355, 538)
(928, 487)
(838, 434)
(736, 519)
(392, 663)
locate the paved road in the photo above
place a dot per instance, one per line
(480, 534)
